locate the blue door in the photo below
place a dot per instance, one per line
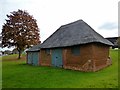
(29, 58)
(57, 58)
(35, 57)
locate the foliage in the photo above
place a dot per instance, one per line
(20, 30)
(16, 74)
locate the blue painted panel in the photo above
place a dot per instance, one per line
(57, 58)
(35, 58)
(29, 58)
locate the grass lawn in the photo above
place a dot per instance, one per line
(17, 74)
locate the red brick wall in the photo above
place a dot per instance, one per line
(78, 62)
(92, 57)
(100, 56)
(45, 59)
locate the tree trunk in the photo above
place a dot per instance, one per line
(19, 56)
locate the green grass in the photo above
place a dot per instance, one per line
(16, 74)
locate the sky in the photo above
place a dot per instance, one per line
(101, 15)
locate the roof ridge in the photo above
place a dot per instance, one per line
(94, 31)
(71, 23)
(62, 27)
(51, 35)
(99, 35)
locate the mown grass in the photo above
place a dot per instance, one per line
(16, 74)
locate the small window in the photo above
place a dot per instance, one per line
(47, 51)
(75, 50)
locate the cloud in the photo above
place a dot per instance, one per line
(109, 26)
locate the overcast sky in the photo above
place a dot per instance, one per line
(101, 15)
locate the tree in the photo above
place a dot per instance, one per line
(20, 30)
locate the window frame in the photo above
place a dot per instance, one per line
(47, 51)
(75, 50)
